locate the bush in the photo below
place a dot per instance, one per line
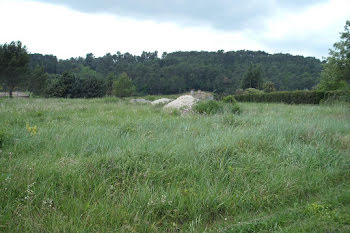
(208, 107)
(235, 109)
(71, 86)
(269, 87)
(229, 99)
(4, 136)
(123, 86)
(249, 91)
(213, 107)
(93, 87)
(293, 97)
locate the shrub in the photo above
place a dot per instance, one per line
(213, 107)
(269, 87)
(123, 86)
(4, 136)
(93, 87)
(72, 86)
(252, 91)
(229, 99)
(294, 97)
(235, 109)
(208, 107)
(239, 92)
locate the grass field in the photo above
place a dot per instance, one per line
(105, 165)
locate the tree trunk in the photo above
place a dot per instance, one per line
(10, 92)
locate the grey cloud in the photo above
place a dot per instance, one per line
(221, 14)
(307, 46)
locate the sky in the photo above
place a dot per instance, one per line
(67, 28)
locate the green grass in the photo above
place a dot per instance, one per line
(105, 165)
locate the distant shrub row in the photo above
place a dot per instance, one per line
(295, 97)
(72, 86)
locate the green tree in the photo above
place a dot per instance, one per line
(252, 78)
(14, 61)
(38, 81)
(269, 86)
(336, 73)
(111, 77)
(123, 86)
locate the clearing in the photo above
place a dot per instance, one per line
(106, 165)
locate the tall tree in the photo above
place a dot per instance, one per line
(253, 78)
(14, 61)
(37, 81)
(336, 74)
(123, 86)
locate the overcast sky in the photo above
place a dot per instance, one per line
(69, 28)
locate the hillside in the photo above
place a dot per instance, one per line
(182, 71)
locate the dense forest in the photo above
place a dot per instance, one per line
(182, 71)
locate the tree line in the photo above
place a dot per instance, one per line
(182, 71)
(126, 74)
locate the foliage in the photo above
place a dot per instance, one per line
(123, 86)
(14, 61)
(71, 85)
(208, 107)
(214, 107)
(37, 82)
(111, 77)
(180, 72)
(4, 137)
(229, 99)
(250, 91)
(269, 86)
(252, 78)
(336, 73)
(294, 97)
(116, 167)
(239, 91)
(233, 108)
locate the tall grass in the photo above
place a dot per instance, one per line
(105, 165)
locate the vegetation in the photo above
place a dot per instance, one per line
(229, 99)
(336, 74)
(269, 87)
(105, 165)
(123, 86)
(252, 79)
(208, 107)
(173, 73)
(295, 97)
(179, 72)
(70, 85)
(14, 60)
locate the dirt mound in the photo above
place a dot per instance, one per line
(161, 101)
(140, 101)
(185, 101)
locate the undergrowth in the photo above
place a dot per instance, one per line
(104, 165)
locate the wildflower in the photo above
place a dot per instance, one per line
(48, 203)
(31, 129)
(29, 192)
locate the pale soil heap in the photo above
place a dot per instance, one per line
(140, 101)
(161, 101)
(185, 101)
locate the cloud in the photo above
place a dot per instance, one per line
(310, 31)
(221, 14)
(52, 29)
(298, 27)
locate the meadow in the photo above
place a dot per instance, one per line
(105, 165)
